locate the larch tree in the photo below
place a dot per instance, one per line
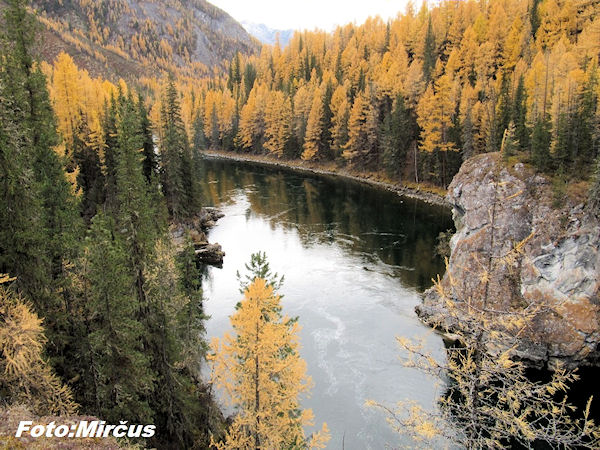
(361, 129)
(278, 123)
(25, 375)
(66, 96)
(339, 123)
(261, 372)
(435, 113)
(314, 141)
(435, 116)
(302, 105)
(252, 119)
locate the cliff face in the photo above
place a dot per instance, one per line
(494, 208)
(133, 38)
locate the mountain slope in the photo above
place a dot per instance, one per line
(268, 35)
(132, 37)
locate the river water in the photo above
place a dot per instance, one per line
(355, 259)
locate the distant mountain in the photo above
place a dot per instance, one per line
(133, 37)
(268, 35)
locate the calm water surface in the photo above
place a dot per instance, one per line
(355, 259)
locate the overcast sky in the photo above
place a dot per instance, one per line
(309, 14)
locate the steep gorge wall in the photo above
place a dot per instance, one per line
(496, 207)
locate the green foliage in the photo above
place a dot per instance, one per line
(178, 165)
(593, 204)
(397, 136)
(124, 315)
(120, 368)
(39, 220)
(150, 163)
(540, 144)
(90, 177)
(429, 57)
(520, 115)
(559, 189)
(258, 267)
(191, 317)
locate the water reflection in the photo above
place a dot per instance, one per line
(375, 224)
(354, 259)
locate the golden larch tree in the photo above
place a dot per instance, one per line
(25, 376)
(262, 374)
(66, 97)
(435, 111)
(313, 142)
(278, 123)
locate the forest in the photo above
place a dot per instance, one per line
(416, 96)
(85, 242)
(103, 314)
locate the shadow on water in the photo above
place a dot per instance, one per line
(376, 224)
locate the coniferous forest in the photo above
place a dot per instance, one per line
(101, 312)
(416, 96)
(84, 236)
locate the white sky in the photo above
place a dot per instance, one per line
(309, 14)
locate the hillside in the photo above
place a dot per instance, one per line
(132, 37)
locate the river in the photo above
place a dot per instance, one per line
(355, 259)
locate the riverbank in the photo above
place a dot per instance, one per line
(427, 194)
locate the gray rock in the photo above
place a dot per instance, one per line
(558, 269)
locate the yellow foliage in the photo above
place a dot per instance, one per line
(278, 118)
(259, 369)
(24, 373)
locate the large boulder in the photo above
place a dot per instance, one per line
(496, 207)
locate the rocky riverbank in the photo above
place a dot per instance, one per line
(426, 194)
(196, 228)
(497, 206)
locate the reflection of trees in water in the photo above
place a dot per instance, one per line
(374, 224)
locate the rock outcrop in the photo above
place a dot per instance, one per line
(496, 207)
(206, 253)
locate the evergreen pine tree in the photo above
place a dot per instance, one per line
(111, 152)
(90, 177)
(39, 227)
(563, 142)
(150, 165)
(520, 115)
(586, 138)
(199, 141)
(429, 52)
(503, 112)
(397, 136)
(540, 144)
(178, 167)
(593, 204)
(121, 375)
